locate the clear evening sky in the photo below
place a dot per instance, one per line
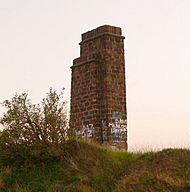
(39, 39)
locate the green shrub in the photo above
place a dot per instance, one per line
(33, 130)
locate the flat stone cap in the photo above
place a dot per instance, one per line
(105, 29)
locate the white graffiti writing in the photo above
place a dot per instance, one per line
(87, 131)
(118, 130)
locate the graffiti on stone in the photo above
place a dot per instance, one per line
(118, 130)
(104, 131)
(87, 131)
(118, 127)
(114, 132)
(118, 115)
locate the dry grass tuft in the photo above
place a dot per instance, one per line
(1, 184)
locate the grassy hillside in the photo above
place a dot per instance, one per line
(90, 168)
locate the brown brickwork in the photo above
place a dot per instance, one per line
(98, 81)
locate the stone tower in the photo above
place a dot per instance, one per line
(98, 92)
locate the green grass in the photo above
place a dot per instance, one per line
(90, 168)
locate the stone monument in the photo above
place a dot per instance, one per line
(98, 89)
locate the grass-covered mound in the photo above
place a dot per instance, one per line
(89, 168)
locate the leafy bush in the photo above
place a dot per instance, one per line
(33, 129)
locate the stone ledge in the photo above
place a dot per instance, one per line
(99, 35)
(77, 62)
(103, 30)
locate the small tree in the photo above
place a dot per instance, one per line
(28, 125)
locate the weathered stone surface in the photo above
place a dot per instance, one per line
(98, 83)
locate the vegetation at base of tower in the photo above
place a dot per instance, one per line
(88, 167)
(36, 155)
(33, 131)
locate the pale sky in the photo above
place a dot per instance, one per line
(39, 39)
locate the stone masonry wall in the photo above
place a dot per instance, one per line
(98, 93)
